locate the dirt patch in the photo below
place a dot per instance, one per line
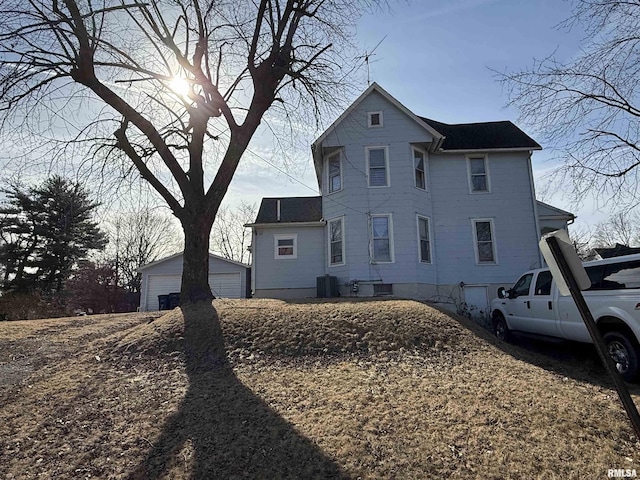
(365, 389)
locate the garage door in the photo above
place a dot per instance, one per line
(226, 285)
(223, 285)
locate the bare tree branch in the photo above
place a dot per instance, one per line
(588, 109)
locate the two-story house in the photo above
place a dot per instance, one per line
(409, 206)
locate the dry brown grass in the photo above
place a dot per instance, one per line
(370, 389)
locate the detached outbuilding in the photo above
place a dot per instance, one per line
(227, 279)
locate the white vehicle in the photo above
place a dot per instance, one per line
(534, 306)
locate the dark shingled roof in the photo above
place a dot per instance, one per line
(292, 209)
(617, 251)
(482, 136)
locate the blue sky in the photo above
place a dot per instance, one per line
(436, 58)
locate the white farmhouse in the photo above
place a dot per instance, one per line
(409, 207)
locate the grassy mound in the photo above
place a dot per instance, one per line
(276, 327)
(318, 389)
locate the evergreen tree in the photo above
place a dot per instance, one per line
(46, 230)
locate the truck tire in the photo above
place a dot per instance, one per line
(624, 353)
(500, 328)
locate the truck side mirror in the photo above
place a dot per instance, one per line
(502, 293)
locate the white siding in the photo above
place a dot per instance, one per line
(288, 273)
(447, 202)
(223, 285)
(227, 279)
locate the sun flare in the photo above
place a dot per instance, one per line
(179, 86)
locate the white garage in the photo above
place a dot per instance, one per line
(227, 279)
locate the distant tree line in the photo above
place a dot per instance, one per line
(57, 259)
(621, 228)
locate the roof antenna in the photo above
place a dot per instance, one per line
(368, 55)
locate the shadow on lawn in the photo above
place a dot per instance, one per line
(225, 429)
(575, 360)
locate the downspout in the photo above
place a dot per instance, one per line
(535, 208)
(254, 243)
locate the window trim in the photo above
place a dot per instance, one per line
(328, 159)
(485, 157)
(329, 222)
(372, 260)
(367, 153)
(425, 158)
(474, 233)
(284, 236)
(429, 231)
(370, 123)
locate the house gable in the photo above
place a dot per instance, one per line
(374, 100)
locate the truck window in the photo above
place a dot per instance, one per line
(595, 275)
(522, 286)
(543, 283)
(621, 276)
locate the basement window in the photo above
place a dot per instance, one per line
(383, 289)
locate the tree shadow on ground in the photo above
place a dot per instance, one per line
(575, 360)
(579, 361)
(222, 429)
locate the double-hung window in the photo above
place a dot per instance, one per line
(336, 241)
(335, 172)
(381, 239)
(286, 246)
(419, 169)
(377, 166)
(484, 241)
(424, 239)
(478, 168)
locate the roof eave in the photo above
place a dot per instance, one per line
(557, 217)
(171, 257)
(320, 223)
(489, 150)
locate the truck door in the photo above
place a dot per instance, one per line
(571, 323)
(543, 317)
(519, 303)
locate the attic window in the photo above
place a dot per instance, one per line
(374, 119)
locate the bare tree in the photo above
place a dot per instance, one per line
(136, 238)
(587, 108)
(582, 239)
(622, 227)
(229, 236)
(171, 89)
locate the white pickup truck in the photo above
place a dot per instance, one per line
(534, 306)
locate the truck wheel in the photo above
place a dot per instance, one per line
(500, 328)
(624, 353)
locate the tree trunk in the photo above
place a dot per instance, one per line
(195, 274)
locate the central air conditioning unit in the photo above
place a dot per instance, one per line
(327, 286)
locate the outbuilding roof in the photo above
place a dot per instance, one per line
(482, 136)
(179, 254)
(290, 210)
